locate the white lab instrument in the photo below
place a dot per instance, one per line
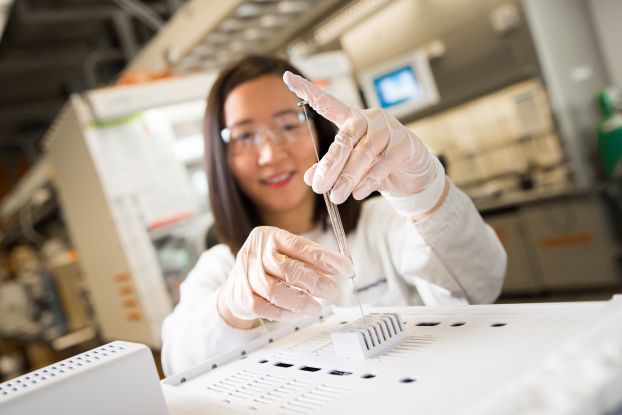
(121, 189)
(557, 358)
(117, 378)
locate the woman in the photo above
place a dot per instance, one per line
(422, 242)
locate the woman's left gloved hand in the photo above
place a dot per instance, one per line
(372, 151)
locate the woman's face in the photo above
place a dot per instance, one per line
(271, 173)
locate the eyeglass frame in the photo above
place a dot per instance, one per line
(225, 133)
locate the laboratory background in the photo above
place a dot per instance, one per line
(103, 194)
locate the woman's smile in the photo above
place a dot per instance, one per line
(279, 180)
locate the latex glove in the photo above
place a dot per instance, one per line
(372, 151)
(276, 273)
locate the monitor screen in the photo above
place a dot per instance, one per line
(398, 86)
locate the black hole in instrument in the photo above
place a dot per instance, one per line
(310, 369)
(243, 353)
(182, 380)
(283, 364)
(339, 373)
(214, 366)
(458, 324)
(263, 361)
(368, 376)
(498, 324)
(407, 380)
(270, 340)
(429, 323)
(296, 328)
(343, 322)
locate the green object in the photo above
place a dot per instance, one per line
(610, 134)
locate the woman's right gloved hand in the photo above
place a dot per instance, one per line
(276, 275)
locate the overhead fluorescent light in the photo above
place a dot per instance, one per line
(237, 46)
(254, 34)
(273, 20)
(292, 6)
(249, 10)
(335, 26)
(299, 49)
(217, 38)
(203, 50)
(232, 25)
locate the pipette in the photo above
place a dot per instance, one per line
(335, 217)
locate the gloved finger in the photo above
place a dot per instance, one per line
(330, 166)
(308, 177)
(399, 153)
(373, 180)
(321, 101)
(278, 293)
(364, 155)
(263, 309)
(324, 260)
(297, 274)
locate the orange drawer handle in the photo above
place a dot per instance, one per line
(134, 315)
(566, 240)
(130, 302)
(126, 289)
(121, 277)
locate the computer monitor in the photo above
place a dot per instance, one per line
(402, 86)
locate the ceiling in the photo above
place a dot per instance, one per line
(51, 48)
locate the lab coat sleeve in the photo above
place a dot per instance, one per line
(194, 331)
(452, 256)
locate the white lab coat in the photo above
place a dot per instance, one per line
(451, 257)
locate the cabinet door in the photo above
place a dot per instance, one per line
(521, 276)
(572, 243)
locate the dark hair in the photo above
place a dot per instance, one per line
(235, 215)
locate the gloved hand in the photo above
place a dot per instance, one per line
(372, 151)
(276, 273)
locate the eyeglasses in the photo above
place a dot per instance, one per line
(245, 138)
